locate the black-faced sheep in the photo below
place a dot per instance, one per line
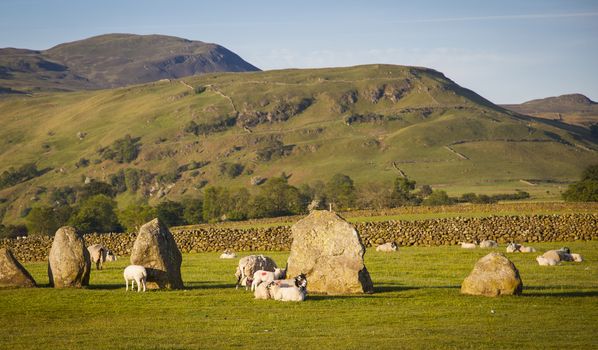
(387, 247)
(249, 265)
(100, 254)
(135, 273)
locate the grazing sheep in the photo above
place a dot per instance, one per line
(576, 257)
(228, 255)
(249, 265)
(267, 276)
(387, 247)
(297, 292)
(488, 243)
(465, 245)
(543, 261)
(100, 254)
(135, 273)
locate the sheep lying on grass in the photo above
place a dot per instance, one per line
(488, 243)
(262, 291)
(227, 254)
(576, 257)
(466, 245)
(298, 292)
(135, 274)
(249, 265)
(518, 248)
(387, 247)
(267, 276)
(543, 261)
(100, 254)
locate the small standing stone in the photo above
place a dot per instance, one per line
(493, 275)
(12, 273)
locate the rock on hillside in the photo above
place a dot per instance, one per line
(113, 60)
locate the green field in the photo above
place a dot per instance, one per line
(416, 304)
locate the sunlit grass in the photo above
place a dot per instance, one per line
(417, 304)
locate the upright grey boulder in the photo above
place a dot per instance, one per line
(12, 273)
(493, 275)
(329, 251)
(69, 263)
(156, 250)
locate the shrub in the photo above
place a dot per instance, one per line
(12, 231)
(123, 150)
(585, 190)
(14, 176)
(231, 170)
(438, 197)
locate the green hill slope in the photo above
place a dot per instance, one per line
(113, 60)
(368, 122)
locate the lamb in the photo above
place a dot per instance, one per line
(267, 276)
(525, 249)
(249, 265)
(576, 257)
(488, 243)
(465, 245)
(262, 291)
(228, 255)
(543, 261)
(135, 273)
(297, 292)
(387, 247)
(513, 247)
(100, 254)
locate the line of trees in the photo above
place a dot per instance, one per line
(92, 207)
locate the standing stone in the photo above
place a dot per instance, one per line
(493, 275)
(12, 273)
(156, 250)
(329, 251)
(69, 264)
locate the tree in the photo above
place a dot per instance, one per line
(277, 198)
(96, 214)
(341, 191)
(193, 212)
(12, 231)
(585, 190)
(215, 203)
(401, 192)
(171, 213)
(46, 220)
(95, 188)
(438, 197)
(133, 216)
(132, 179)
(374, 196)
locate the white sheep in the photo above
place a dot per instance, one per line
(267, 276)
(100, 254)
(249, 265)
(262, 291)
(525, 249)
(227, 254)
(543, 261)
(387, 247)
(576, 257)
(488, 243)
(513, 247)
(562, 254)
(466, 245)
(297, 292)
(135, 273)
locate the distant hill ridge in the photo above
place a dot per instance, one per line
(571, 108)
(113, 60)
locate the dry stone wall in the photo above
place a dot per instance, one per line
(449, 231)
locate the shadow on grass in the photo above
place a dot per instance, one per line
(559, 292)
(210, 285)
(107, 286)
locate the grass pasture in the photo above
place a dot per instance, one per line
(417, 304)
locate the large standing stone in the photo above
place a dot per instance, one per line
(329, 251)
(69, 264)
(156, 250)
(12, 273)
(493, 275)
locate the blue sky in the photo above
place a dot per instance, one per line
(507, 51)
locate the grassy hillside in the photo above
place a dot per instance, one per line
(574, 109)
(366, 121)
(112, 60)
